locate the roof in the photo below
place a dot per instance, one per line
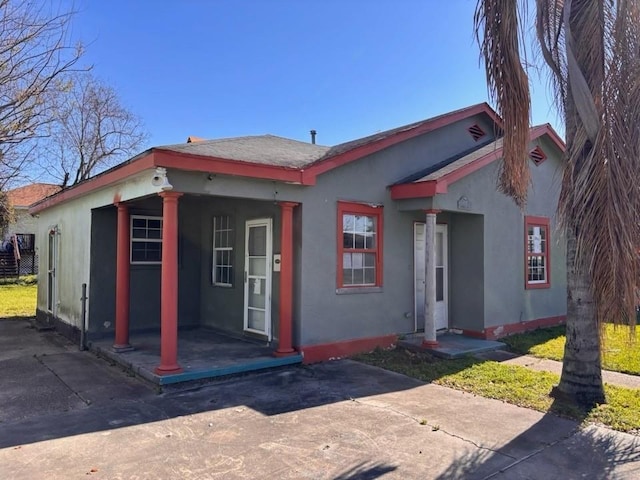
(258, 149)
(437, 178)
(264, 156)
(23, 197)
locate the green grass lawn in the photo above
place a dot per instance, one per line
(18, 300)
(509, 383)
(621, 350)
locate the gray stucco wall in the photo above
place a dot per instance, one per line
(466, 271)
(506, 300)
(328, 316)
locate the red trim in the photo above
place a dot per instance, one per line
(359, 209)
(169, 286)
(499, 331)
(433, 211)
(539, 222)
(420, 129)
(136, 165)
(182, 161)
(430, 188)
(122, 279)
(197, 163)
(335, 350)
(286, 280)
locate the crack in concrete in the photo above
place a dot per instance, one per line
(83, 400)
(433, 427)
(532, 454)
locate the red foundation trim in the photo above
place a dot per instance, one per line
(430, 344)
(499, 331)
(335, 350)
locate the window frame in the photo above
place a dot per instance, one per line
(230, 249)
(543, 222)
(133, 240)
(354, 208)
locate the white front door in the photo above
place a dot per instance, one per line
(257, 277)
(442, 319)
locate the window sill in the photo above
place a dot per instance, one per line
(357, 290)
(536, 286)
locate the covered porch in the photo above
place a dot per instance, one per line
(202, 285)
(204, 354)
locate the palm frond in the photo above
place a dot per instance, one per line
(497, 29)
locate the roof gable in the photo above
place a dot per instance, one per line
(432, 181)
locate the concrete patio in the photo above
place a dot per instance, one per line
(203, 354)
(451, 345)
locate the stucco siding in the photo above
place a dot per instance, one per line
(506, 300)
(330, 316)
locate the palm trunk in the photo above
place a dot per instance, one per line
(581, 380)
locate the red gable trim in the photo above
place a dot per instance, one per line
(358, 152)
(197, 163)
(107, 178)
(430, 188)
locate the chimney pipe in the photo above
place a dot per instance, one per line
(313, 136)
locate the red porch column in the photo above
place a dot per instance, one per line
(122, 280)
(286, 280)
(169, 286)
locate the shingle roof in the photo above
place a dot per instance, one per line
(22, 197)
(260, 149)
(460, 162)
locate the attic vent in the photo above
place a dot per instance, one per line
(476, 132)
(537, 155)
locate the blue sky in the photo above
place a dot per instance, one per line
(215, 68)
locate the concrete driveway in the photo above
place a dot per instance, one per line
(66, 414)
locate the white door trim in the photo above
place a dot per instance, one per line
(442, 307)
(250, 279)
(52, 270)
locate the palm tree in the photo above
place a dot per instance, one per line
(592, 49)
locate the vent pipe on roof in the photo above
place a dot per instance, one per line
(313, 136)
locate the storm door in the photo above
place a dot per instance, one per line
(257, 277)
(441, 316)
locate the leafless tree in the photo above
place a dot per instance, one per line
(92, 131)
(35, 53)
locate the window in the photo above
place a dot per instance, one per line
(537, 242)
(359, 245)
(222, 251)
(146, 239)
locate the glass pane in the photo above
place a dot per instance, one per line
(357, 260)
(256, 320)
(348, 240)
(258, 266)
(439, 249)
(258, 241)
(153, 233)
(369, 260)
(346, 260)
(360, 224)
(439, 284)
(257, 293)
(370, 276)
(157, 224)
(139, 223)
(139, 233)
(370, 240)
(347, 276)
(359, 240)
(348, 222)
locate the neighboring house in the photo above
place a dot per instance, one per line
(323, 250)
(24, 226)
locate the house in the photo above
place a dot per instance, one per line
(316, 251)
(20, 234)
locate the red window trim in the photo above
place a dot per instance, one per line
(538, 222)
(359, 209)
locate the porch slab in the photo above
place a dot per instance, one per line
(202, 354)
(451, 345)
